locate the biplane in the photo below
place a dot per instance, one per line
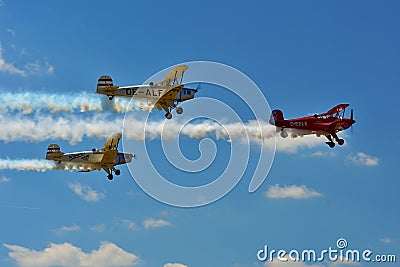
(328, 124)
(165, 95)
(105, 158)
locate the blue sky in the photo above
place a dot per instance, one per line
(305, 56)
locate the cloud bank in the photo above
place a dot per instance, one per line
(68, 255)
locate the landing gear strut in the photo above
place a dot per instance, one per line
(110, 176)
(168, 115)
(331, 144)
(340, 141)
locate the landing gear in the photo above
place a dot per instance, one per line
(109, 172)
(179, 110)
(169, 109)
(168, 115)
(110, 97)
(337, 139)
(331, 144)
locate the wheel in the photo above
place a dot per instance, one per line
(179, 110)
(110, 177)
(340, 142)
(110, 97)
(117, 172)
(168, 115)
(330, 144)
(284, 134)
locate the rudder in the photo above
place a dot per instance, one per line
(103, 83)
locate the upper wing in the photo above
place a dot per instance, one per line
(173, 76)
(336, 109)
(167, 99)
(112, 142)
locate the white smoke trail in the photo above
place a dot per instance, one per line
(28, 103)
(73, 128)
(41, 165)
(26, 165)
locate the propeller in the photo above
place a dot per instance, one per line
(351, 117)
(198, 87)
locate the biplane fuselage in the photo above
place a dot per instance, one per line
(166, 94)
(327, 124)
(105, 158)
(90, 159)
(148, 92)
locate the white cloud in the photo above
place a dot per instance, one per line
(68, 255)
(33, 67)
(9, 67)
(152, 223)
(100, 228)
(86, 192)
(289, 263)
(130, 224)
(4, 179)
(291, 191)
(322, 154)
(72, 228)
(50, 68)
(174, 265)
(36, 67)
(343, 261)
(386, 240)
(362, 159)
(11, 31)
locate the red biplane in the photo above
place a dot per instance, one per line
(327, 124)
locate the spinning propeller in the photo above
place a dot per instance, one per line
(351, 117)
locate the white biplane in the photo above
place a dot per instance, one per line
(105, 158)
(165, 95)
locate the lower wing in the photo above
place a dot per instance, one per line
(168, 98)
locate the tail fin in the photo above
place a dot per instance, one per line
(104, 84)
(276, 117)
(53, 152)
